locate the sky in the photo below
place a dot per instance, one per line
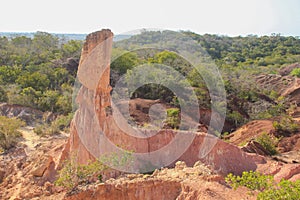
(223, 17)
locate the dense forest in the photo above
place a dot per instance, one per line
(240, 61)
(40, 71)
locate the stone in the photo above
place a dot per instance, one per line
(180, 165)
(165, 184)
(254, 147)
(287, 172)
(27, 114)
(43, 166)
(93, 130)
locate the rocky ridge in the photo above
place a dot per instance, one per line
(181, 182)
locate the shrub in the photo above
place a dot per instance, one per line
(61, 123)
(251, 180)
(3, 95)
(268, 189)
(285, 126)
(284, 190)
(278, 109)
(236, 117)
(295, 72)
(268, 143)
(273, 94)
(9, 133)
(73, 173)
(173, 120)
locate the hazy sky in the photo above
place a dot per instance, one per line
(229, 17)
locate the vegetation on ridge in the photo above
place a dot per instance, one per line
(265, 186)
(40, 71)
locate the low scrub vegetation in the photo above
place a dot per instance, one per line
(73, 174)
(265, 186)
(285, 126)
(9, 133)
(269, 143)
(295, 72)
(61, 123)
(40, 71)
(173, 120)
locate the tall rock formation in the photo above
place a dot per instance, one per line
(99, 128)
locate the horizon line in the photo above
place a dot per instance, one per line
(127, 33)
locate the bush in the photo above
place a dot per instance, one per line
(3, 95)
(173, 120)
(295, 72)
(274, 110)
(236, 117)
(73, 173)
(61, 123)
(268, 189)
(251, 180)
(268, 143)
(9, 133)
(285, 126)
(284, 190)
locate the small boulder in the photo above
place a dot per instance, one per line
(180, 165)
(254, 147)
(41, 167)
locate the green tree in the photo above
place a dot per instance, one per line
(125, 62)
(236, 117)
(48, 100)
(285, 126)
(72, 49)
(45, 47)
(28, 97)
(9, 74)
(252, 180)
(35, 80)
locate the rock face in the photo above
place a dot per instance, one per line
(284, 85)
(287, 70)
(254, 147)
(288, 165)
(99, 128)
(29, 115)
(45, 167)
(25, 170)
(251, 131)
(180, 183)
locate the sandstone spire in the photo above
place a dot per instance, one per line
(94, 131)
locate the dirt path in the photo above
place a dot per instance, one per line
(30, 139)
(18, 187)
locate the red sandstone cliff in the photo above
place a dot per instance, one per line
(94, 131)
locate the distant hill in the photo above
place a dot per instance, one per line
(66, 36)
